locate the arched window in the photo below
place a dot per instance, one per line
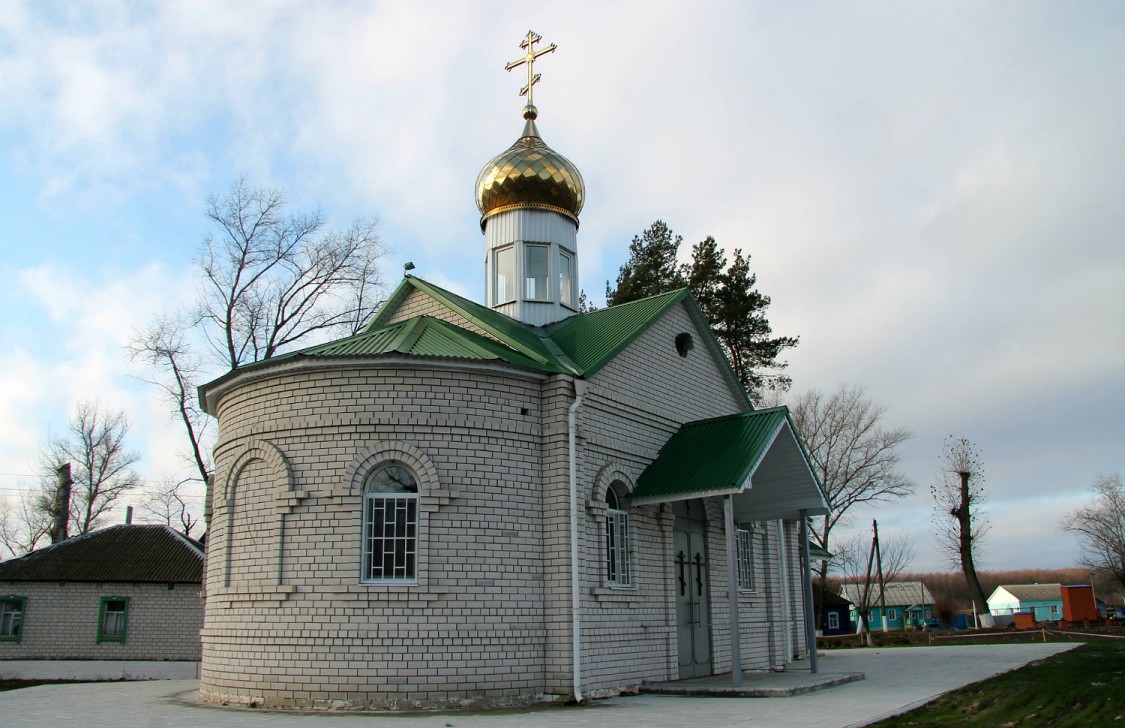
(390, 525)
(616, 537)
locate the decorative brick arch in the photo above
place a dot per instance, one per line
(282, 475)
(610, 472)
(375, 453)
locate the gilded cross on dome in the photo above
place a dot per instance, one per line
(532, 78)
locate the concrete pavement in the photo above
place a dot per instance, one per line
(896, 678)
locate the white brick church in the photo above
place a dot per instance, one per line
(472, 504)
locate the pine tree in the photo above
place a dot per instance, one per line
(745, 332)
(651, 268)
(725, 294)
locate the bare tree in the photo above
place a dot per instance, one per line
(169, 505)
(270, 281)
(855, 459)
(1100, 527)
(25, 521)
(853, 562)
(959, 522)
(174, 369)
(102, 468)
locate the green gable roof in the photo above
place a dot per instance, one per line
(579, 345)
(710, 457)
(419, 336)
(591, 340)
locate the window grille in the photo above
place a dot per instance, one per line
(616, 541)
(390, 526)
(744, 548)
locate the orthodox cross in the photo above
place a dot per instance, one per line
(532, 77)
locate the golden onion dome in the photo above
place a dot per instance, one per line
(530, 175)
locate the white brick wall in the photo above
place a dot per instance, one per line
(288, 621)
(61, 622)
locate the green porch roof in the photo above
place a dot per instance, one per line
(755, 456)
(710, 457)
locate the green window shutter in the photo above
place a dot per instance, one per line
(113, 619)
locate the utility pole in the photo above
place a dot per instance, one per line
(882, 583)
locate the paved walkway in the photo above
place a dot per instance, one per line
(896, 678)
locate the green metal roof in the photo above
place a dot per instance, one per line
(710, 457)
(591, 340)
(419, 336)
(524, 339)
(581, 344)
(819, 554)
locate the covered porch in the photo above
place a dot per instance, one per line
(756, 463)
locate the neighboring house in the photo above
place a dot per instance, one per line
(1044, 600)
(501, 503)
(1048, 602)
(835, 613)
(908, 604)
(128, 592)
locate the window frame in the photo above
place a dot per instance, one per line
(892, 614)
(513, 286)
(744, 557)
(567, 295)
(618, 555)
(525, 278)
(17, 621)
(833, 620)
(103, 603)
(409, 503)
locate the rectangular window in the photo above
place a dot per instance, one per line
(11, 617)
(892, 614)
(744, 548)
(833, 620)
(505, 282)
(113, 619)
(566, 279)
(617, 547)
(390, 537)
(535, 272)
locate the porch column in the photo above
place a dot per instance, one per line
(806, 583)
(732, 592)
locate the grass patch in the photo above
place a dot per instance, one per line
(1081, 687)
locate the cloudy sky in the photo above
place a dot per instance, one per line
(933, 194)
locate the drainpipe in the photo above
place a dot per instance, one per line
(581, 387)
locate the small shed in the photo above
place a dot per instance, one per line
(834, 613)
(127, 592)
(1044, 600)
